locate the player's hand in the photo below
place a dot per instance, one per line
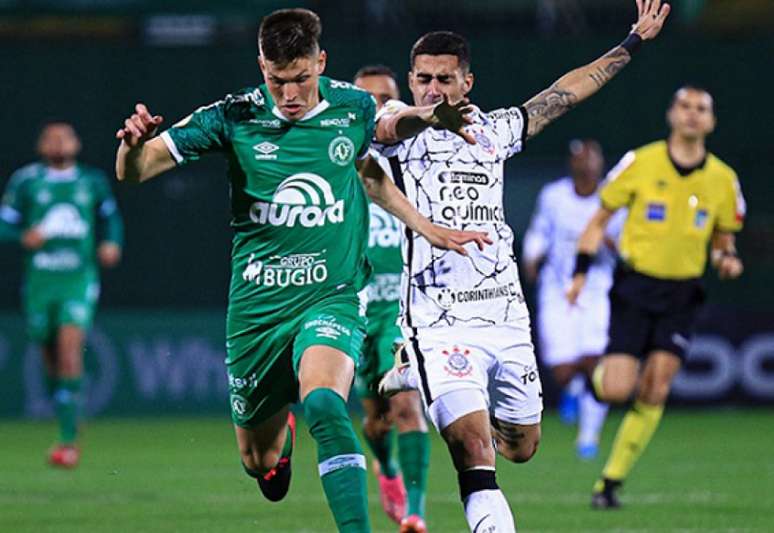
(452, 239)
(575, 288)
(651, 15)
(33, 239)
(140, 127)
(453, 117)
(109, 254)
(730, 267)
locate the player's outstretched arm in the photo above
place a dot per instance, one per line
(588, 246)
(577, 85)
(141, 154)
(408, 121)
(386, 195)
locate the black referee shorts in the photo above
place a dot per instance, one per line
(648, 314)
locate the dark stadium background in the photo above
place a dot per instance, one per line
(158, 341)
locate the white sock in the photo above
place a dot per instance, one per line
(486, 509)
(575, 387)
(591, 418)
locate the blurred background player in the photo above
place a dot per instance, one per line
(572, 337)
(464, 318)
(404, 410)
(65, 217)
(680, 198)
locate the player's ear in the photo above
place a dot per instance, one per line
(262, 65)
(322, 60)
(468, 84)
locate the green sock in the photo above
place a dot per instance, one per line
(340, 458)
(382, 450)
(67, 399)
(414, 456)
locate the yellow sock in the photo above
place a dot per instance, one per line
(636, 429)
(596, 379)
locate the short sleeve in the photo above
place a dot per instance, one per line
(12, 202)
(732, 207)
(201, 132)
(618, 189)
(510, 126)
(369, 124)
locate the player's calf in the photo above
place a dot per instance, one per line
(515, 442)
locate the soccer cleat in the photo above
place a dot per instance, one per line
(275, 484)
(392, 493)
(64, 456)
(587, 452)
(412, 524)
(605, 494)
(568, 409)
(397, 379)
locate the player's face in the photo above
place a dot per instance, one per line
(691, 115)
(295, 86)
(586, 163)
(58, 144)
(432, 77)
(381, 87)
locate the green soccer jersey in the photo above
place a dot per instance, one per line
(299, 210)
(385, 256)
(69, 207)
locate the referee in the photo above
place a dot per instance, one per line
(680, 198)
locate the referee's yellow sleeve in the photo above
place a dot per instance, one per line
(732, 209)
(619, 186)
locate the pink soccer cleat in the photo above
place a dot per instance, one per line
(413, 524)
(64, 456)
(392, 493)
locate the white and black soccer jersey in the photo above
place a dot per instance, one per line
(459, 186)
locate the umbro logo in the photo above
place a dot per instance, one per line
(266, 150)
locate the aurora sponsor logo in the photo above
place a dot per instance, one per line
(297, 270)
(63, 221)
(384, 288)
(384, 229)
(306, 199)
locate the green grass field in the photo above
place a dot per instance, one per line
(707, 471)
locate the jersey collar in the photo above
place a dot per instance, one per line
(316, 110)
(67, 174)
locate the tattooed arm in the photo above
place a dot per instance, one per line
(577, 85)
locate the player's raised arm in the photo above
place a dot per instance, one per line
(141, 154)
(394, 125)
(577, 85)
(386, 195)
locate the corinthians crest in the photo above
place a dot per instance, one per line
(457, 362)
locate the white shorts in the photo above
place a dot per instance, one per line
(569, 332)
(494, 366)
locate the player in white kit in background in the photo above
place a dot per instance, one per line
(464, 318)
(572, 337)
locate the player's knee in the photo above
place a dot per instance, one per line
(471, 450)
(324, 407)
(375, 428)
(616, 391)
(406, 412)
(520, 452)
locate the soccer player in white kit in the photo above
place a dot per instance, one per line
(464, 318)
(572, 337)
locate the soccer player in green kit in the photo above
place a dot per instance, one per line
(55, 208)
(294, 328)
(402, 411)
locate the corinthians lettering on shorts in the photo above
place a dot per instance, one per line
(459, 186)
(298, 207)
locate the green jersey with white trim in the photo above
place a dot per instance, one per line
(298, 208)
(67, 207)
(384, 253)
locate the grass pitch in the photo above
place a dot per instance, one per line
(707, 471)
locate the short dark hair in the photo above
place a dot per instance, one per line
(690, 87)
(437, 43)
(375, 70)
(287, 34)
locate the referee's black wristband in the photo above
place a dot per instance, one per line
(582, 263)
(632, 43)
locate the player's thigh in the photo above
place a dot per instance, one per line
(515, 389)
(469, 436)
(328, 345)
(659, 371)
(260, 446)
(516, 442)
(38, 304)
(406, 412)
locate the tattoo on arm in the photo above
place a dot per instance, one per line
(573, 88)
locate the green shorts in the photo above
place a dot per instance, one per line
(49, 307)
(378, 351)
(263, 361)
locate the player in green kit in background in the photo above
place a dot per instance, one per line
(61, 211)
(404, 410)
(294, 329)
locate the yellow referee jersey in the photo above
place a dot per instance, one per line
(671, 215)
